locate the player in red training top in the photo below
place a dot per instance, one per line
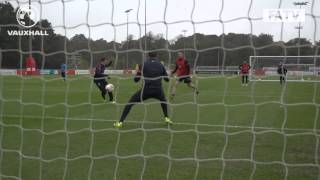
(244, 70)
(182, 70)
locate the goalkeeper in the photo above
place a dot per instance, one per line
(99, 78)
(282, 71)
(152, 71)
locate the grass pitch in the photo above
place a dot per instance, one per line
(55, 130)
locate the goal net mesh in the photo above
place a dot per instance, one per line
(51, 129)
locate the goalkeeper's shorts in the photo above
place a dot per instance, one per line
(147, 93)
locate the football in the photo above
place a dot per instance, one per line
(110, 87)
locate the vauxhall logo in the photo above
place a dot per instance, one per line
(27, 33)
(27, 16)
(25, 13)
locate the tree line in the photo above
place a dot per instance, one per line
(200, 49)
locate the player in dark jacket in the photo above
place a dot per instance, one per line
(152, 72)
(99, 78)
(282, 71)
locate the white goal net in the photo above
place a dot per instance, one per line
(53, 128)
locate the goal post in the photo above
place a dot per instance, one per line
(300, 68)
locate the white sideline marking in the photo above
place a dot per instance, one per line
(160, 122)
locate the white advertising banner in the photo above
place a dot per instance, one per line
(8, 72)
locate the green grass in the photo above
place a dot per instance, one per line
(54, 130)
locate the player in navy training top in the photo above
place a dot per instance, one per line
(99, 78)
(282, 71)
(152, 72)
(63, 70)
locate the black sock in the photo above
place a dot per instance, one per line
(125, 112)
(164, 109)
(110, 96)
(103, 94)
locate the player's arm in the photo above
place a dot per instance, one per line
(99, 72)
(278, 70)
(103, 74)
(175, 69)
(109, 64)
(137, 77)
(187, 65)
(281, 71)
(165, 74)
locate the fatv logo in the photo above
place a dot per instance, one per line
(27, 16)
(283, 15)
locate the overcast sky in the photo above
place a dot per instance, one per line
(94, 18)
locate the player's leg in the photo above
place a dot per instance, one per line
(188, 81)
(110, 94)
(242, 77)
(174, 88)
(135, 98)
(102, 87)
(246, 79)
(159, 95)
(191, 85)
(63, 75)
(110, 97)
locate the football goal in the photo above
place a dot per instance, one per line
(299, 68)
